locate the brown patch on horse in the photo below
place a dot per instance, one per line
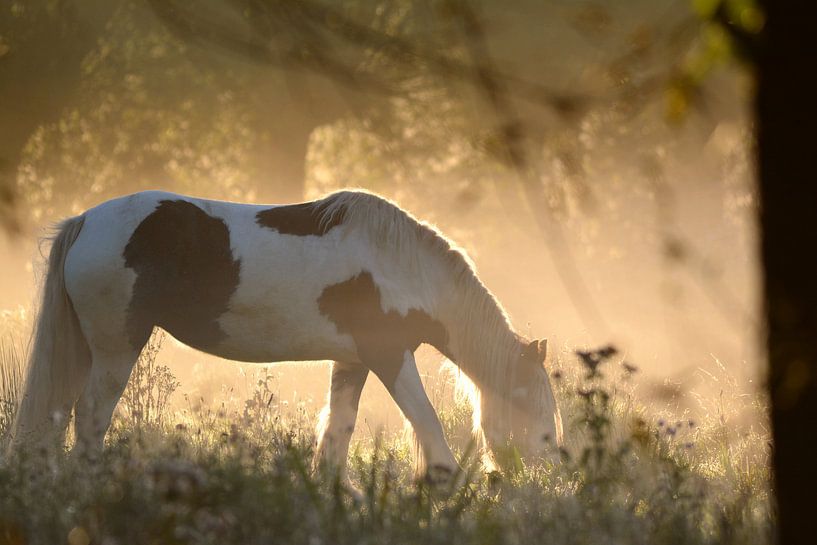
(299, 219)
(185, 274)
(381, 338)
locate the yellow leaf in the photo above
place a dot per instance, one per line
(705, 8)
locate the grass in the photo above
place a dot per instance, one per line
(11, 380)
(629, 474)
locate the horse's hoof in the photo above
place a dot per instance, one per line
(354, 492)
(444, 476)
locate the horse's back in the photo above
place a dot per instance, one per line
(212, 273)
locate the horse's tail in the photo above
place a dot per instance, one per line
(59, 357)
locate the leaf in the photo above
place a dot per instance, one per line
(705, 8)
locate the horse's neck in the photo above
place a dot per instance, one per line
(482, 341)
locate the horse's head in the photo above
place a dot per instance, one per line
(526, 416)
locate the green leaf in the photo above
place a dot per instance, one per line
(705, 8)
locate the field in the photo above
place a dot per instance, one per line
(630, 473)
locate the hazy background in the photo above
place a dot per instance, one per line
(633, 127)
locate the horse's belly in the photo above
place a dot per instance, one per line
(260, 333)
(274, 313)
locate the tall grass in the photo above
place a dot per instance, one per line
(12, 362)
(629, 473)
(145, 399)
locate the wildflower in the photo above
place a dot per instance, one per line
(607, 352)
(589, 360)
(593, 358)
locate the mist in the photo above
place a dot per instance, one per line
(671, 268)
(629, 181)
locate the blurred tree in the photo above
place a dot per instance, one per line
(604, 88)
(42, 44)
(407, 77)
(147, 114)
(421, 52)
(153, 111)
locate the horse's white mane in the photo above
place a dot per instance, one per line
(487, 345)
(396, 231)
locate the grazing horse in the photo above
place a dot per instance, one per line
(350, 278)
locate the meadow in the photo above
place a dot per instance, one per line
(631, 472)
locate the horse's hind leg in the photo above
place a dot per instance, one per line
(109, 375)
(338, 417)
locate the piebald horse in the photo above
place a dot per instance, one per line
(350, 278)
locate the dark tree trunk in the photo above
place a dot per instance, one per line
(787, 149)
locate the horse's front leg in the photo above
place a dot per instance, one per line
(338, 417)
(436, 460)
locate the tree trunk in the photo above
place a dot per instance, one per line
(298, 104)
(787, 117)
(279, 162)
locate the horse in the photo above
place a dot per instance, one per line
(351, 278)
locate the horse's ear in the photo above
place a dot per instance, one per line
(536, 351)
(542, 350)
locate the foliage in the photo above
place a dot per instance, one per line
(150, 115)
(145, 399)
(208, 476)
(730, 31)
(11, 380)
(156, 111)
